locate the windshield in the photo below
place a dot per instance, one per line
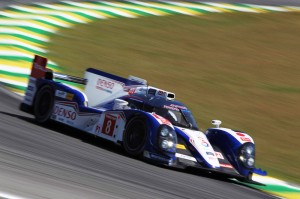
(180, 117)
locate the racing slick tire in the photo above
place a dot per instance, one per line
(135, 136)
(43, 104)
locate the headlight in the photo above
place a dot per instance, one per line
(165, 144)
(247, 155)
(167, 138)
(164, 131)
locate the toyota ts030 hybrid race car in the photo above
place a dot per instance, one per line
(146, 121)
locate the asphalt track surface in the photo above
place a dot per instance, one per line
(58, 162)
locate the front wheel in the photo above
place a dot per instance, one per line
(43, 104)
(135, 136)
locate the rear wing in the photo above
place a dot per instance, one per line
(39, 71)
(69, 78)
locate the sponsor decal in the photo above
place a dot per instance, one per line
(108, 125)
(105, 83)
(192, 141)
(171, 108)
(243, 137)
(226, 166)
(90, 122)
(97, 129)
(64, 95)
(180, 146)
(131, 91)
(61, 94)
(178, 106)
(65, 113)
(174, 107)
(219, 155)
(162, 119)
(69, 96)
(179, 155)
(203, 142)
(240, 134)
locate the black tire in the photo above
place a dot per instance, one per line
(43, 104)
(135, 136)
(249, 177)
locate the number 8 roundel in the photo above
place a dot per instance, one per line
(109, 125)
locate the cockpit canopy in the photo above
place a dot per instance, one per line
(174, 111)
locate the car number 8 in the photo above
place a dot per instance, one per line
(108, 125)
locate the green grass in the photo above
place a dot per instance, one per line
(241, 68)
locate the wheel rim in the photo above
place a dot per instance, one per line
(45, 103)
(136, 136)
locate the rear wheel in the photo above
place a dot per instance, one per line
(43, 104)
(135, 136)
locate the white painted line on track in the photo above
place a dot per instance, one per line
(49, 12)
(171, 8)
(143, 9)
(72, 9)
(13, 22)
(24, 33)
(272, 8)
(15, 69)
(232, 7)
(99, 8)
(15, 53)
(295, 8)
(13, 82)
(273, 181)
(14, 42)
(35, 17)
(191, 5)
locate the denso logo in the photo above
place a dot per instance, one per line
(105, 84)
(69, 114)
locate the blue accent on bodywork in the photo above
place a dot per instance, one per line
(259, 171)
(127, 82)
(230, 146)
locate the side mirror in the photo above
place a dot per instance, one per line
(216, 123)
